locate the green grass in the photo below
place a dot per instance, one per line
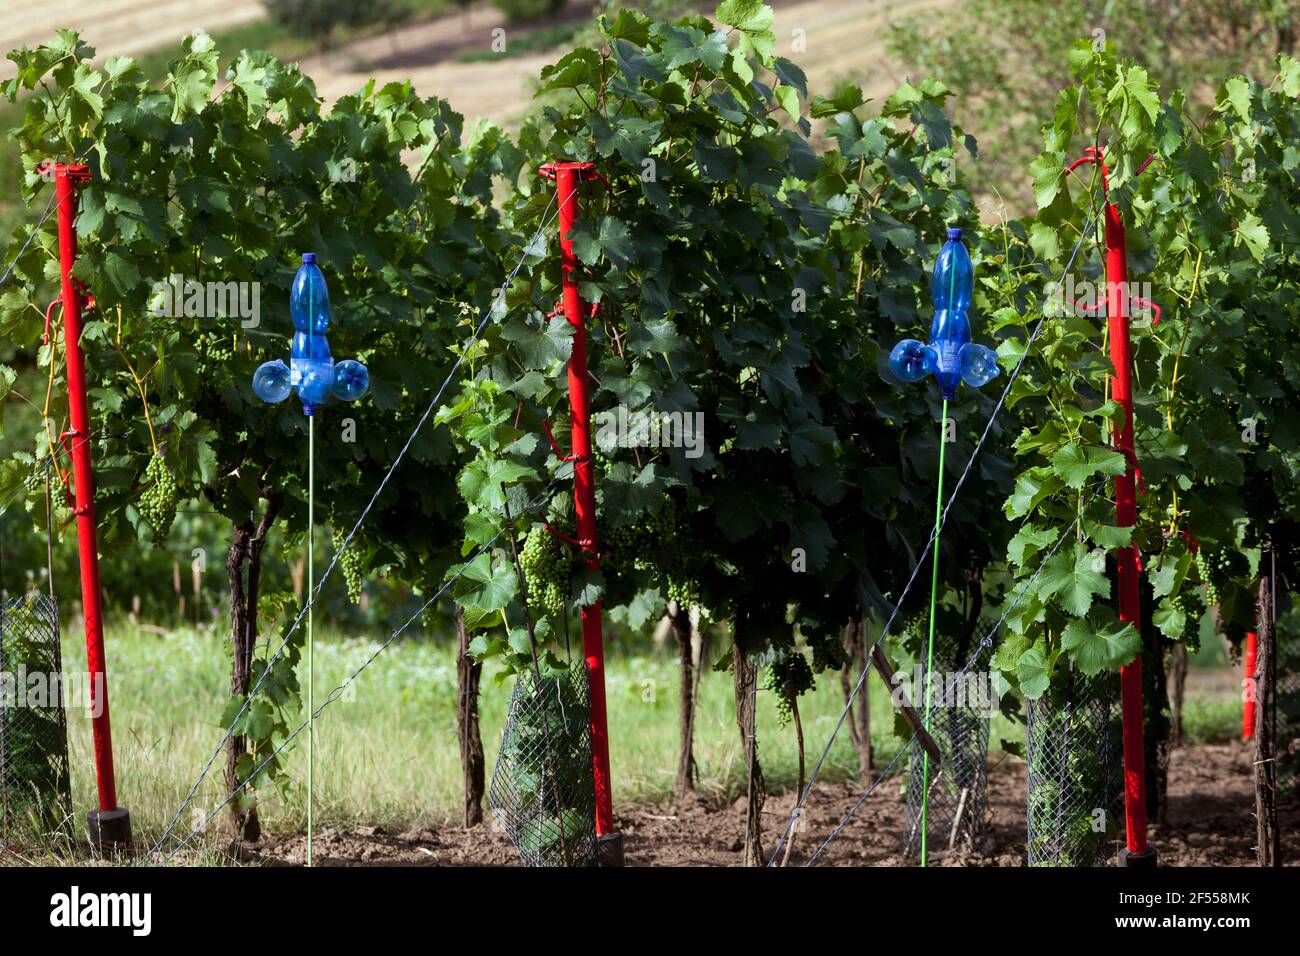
(1213, 720)
(389, 756)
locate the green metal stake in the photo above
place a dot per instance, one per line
(311, 639)
(934, 593)
(273, 382)
(929, 656)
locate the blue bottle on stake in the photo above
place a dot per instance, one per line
(311, 369)
(950, 356)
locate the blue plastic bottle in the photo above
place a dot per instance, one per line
(950, 289)
(309, 298)
(309, 358)
(311, 368)
(951, 356)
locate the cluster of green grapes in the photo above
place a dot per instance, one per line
(828, 654)
(61, 501)
(653, 545)
(1189, 601)
(787, 680)
(215, 349)
(547, 563)
(1215, 569)
(157, 503)
(656, 545)
(353, 563)
(620, 551)
(684, 590)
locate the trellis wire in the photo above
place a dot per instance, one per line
(49, 209)
(985, 643)
(902, 752)
(542, 793)
(957, 815)
(917, 563)
(347, 541)
(35, 795)
(1073, 734)
(341, 689)
(41, 467)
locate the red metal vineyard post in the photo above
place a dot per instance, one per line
(1136, 853)
(568, 178)
(1248, 684)
(110, 825)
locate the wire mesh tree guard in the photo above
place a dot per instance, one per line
(1286, 704)
(35, 797)
(542, 793)
(957, 816)
(1075, 789)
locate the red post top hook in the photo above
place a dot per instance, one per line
(1093, 154)
(585, 171)
(593, 310)
(77, 172)
(45, 336)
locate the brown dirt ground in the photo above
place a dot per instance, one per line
(1211, 823)
(119, 26)
(842, 39)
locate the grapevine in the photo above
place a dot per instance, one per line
(1192, 605)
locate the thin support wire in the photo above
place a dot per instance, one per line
(338, 691)
(311, 635)
(315, 593)
(916, 566)
(984, 644)
(49, 210)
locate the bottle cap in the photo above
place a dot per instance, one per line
(308, 257)
(952, 234)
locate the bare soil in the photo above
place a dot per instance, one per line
(120, 26)
(834, 40)
(1211, 823)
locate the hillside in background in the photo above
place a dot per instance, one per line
(120, 26)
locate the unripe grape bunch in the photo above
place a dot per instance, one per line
(655, 545)
(353, 562)
(547, 563)
(828, 654)
(157, 503)
(788, 679)
(1216, 568)
(1189, 601)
